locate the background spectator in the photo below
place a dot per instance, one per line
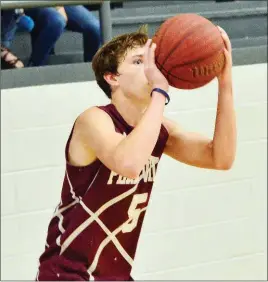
(51, 22)
(11, 21)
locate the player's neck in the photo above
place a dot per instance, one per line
(131, 111)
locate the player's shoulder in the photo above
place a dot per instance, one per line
(93, 117)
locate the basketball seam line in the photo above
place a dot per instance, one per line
(192, 62)
(170, 74)
(183, 39)
(164, 33)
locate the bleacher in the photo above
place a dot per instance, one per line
(244, 21)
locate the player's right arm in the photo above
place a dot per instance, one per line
(127, 155)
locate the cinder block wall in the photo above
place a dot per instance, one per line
(200, 224)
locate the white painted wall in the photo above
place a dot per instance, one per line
(200, 224)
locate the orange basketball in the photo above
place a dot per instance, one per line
(189, 51)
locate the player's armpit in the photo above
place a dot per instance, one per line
(190, 148)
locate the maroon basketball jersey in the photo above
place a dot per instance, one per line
(94, 231)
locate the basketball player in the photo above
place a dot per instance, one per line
(112, 156)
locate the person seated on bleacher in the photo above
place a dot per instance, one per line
(11, 21)
(51, 22)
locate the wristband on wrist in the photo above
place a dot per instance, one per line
(163, 92)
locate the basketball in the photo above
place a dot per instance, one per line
(189, 51)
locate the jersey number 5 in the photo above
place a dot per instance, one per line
(134, 212)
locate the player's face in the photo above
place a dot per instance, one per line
(132, 79)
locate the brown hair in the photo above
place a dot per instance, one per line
(110, 55)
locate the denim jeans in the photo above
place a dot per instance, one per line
(50, 24)
(10, 23)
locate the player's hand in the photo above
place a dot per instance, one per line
(154, 76)
(226, 74)
(62, 11)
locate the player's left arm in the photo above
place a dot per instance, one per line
(197, 150)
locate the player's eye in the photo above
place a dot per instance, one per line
(138, 62)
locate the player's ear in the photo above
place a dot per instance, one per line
(111, 78)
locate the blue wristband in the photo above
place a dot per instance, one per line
(163, 92)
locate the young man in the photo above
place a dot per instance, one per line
(111, 161)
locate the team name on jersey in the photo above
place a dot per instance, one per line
(147, 174)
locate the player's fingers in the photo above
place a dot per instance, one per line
(225, 38)
(227, 42)
(152, 55)
(221, 29)
(229, 45)
(146, 53)
(228, 58)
